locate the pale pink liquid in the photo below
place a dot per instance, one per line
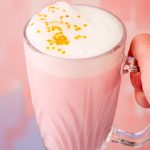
(73, 112)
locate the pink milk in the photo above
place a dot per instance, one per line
(74, 99)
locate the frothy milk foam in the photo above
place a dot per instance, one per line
(74, 99)
(73, 31)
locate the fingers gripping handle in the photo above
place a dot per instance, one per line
(130, 65)
(116, 135)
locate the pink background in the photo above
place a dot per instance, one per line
(18, 130)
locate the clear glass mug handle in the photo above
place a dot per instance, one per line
(116, 135)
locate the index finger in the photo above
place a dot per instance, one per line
(140, 49)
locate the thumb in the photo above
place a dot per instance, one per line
(140, 49)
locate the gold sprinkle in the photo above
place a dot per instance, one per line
(79, 16)
(77, 37)
(40, 15)
(32, 23)
(46, 23)
(53, 28)
(61, 22)
(59, 28)
(61, 17)
(51, 7)
(77, 28)
(68, 26)
(48, 40)
(57, 8)
(53, 48)
(58, 49)
(60, 39)
(42, 18)
(53, 11)
(85, 25)
(67, 16)
(47, 47)
(63, 52)
(67, 42)
(84, 37)
(38, 31)
(60, 32)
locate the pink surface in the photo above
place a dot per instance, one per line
(135, 14)
(142, 17)
(119, 7)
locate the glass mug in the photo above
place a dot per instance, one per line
(75, 99)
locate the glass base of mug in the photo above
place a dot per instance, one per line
(104, 146)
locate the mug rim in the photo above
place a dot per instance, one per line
(112, 50)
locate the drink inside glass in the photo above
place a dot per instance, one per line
(73, 57)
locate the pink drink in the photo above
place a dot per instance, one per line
(73, 113)
(74, 99)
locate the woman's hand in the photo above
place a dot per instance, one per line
(140, 49)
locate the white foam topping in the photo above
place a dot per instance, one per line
(73, 31)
